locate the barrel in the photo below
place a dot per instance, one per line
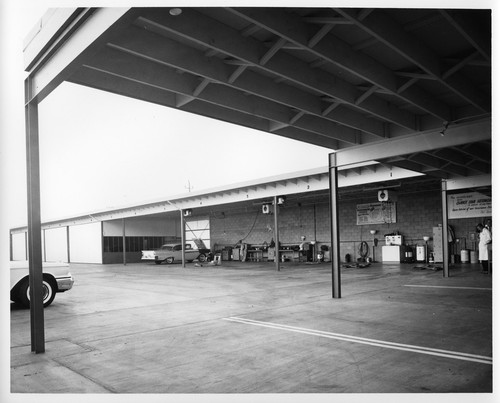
(474, 258)
(464, 256)
(421, 253)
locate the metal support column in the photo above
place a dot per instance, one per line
(11, 248)
(44, 244)
(276, 234)
(124, 238)
(334, 218)
(444, 201)
(102, 242)
(34, 223)
(315, 249)
(67, 244)
(183, 238)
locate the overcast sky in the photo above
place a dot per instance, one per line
(100, 151)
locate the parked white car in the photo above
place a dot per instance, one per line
(56, 278)
(171, 253)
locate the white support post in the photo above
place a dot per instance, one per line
(444, 201)
(68, 249)
(124, 238)
(183, 238)
(276, 234)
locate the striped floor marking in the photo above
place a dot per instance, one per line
(372, 342)
(445, 286)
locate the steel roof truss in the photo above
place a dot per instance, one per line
(335, 51)
(167, 52)
(384, 28)
(212, 34)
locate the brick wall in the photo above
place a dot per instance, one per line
(416, 215)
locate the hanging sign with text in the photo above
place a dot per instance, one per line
(376, 213)
(468, 205)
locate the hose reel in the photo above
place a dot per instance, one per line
(363, 250)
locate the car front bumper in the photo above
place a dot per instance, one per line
(65, 283)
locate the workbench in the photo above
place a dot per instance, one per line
(255, 255)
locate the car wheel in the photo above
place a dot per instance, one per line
(49, 292)
(202, 258)
(169, 260)
(158, 261)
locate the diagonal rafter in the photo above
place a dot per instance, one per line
(318, 36)
(201, 87)
(460, 65)
(335, 51)
(366, 94)
(330, 108)
(386, 30)
(408, 84)
(236, 73)
(271, 52)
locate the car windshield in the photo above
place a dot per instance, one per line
(179, 247)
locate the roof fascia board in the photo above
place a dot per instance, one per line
(306, 184)
(51, 71)
(266, 180)
(46, 33)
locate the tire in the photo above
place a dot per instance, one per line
(202, 258)
(158, 261)
(49, 292)
(169, 260)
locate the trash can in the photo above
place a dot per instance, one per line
(464, 256)
(420, 253)
(474, 258)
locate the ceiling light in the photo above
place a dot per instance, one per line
(445, 126)
(175, 11)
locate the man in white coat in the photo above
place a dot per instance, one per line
(484, 241)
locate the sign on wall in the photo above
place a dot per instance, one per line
(468, 205)
(376, 213)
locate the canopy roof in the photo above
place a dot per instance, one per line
(352, 80)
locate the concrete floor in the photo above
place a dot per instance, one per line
(245, 328)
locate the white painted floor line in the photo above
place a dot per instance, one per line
(446, 286)
(362, 340)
